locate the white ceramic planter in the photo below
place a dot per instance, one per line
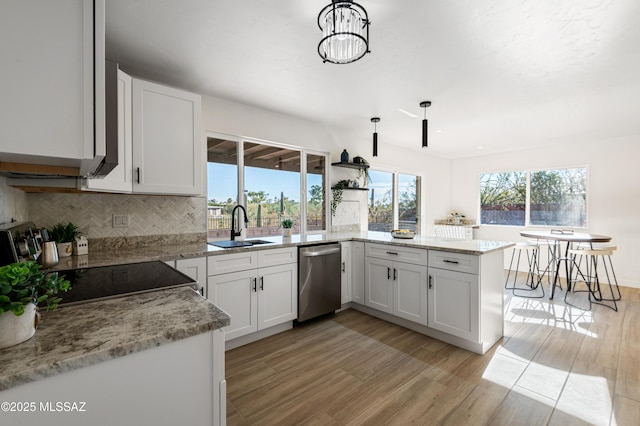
(287, 232)
(17, 329)
(65, 249)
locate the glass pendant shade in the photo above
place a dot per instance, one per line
(345, 32)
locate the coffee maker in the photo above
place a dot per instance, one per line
(20, 241)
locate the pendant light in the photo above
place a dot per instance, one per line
(425, 124)
(375, 120)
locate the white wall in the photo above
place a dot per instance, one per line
(223, 116)
(613, 192)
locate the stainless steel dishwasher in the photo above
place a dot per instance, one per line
(318, 280)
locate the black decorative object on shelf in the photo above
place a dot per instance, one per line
(344, 157)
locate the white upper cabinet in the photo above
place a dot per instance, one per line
(160, 141)
(167, 140)
(47, 85)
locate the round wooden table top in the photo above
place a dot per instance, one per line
(575, 237)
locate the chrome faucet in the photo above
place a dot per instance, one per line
(235, 234)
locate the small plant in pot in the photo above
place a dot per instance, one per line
(64, 234)
(23, 286)
(287, 225)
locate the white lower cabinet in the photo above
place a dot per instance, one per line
(398, 288)
(357, 272)
(256, 298)
(346, 278)
(454, 303)
(181, 382)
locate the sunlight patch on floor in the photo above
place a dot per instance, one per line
(584, 397)
(532, 311)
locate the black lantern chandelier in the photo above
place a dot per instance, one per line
(425, 124)
(345, 32)
(375, 120)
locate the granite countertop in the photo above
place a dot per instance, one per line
(168, 252)
(77, 336)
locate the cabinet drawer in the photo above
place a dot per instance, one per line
(275, 257)
(392, 252)
(454, 261)
(225, 263)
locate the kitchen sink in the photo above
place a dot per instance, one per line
(235, 243)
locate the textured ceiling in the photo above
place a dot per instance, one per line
(504, 75)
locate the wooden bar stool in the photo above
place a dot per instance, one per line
(533, 279)
(596, 257)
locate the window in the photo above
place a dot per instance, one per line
(394, 201)
(271, 188)
(555, 197)
(503, 198)
(269, 179)
(559, 197)
(380, 201)
(316, 192)
(222, 184)
(408, 206)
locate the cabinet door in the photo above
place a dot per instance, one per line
(47, 84)
(167, 140)
(120, 178)
(235, 294)
(454, 303)
(357, 271)
(346, 276)
(379, 286)
(195, 268)
(277, 295)
(410, 287)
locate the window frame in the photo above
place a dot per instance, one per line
(395, 195)
(528, 172)
(240, 140)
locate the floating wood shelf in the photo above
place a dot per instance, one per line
(350, 189)
(351, 165)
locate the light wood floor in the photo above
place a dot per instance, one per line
(556, 365)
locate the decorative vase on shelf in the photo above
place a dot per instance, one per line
(344, 157)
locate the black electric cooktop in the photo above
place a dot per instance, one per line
(106, 282)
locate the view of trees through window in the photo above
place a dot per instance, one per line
(408, 187)
(381, 201)
(556, 198)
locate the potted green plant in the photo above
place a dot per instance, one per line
(64, 234)
(287, 225)
(23, 286)
(336, 192)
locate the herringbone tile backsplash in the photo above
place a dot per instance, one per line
(93, 213)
